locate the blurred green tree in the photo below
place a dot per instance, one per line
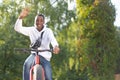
(97, 42)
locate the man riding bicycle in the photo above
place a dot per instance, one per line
(39, 30)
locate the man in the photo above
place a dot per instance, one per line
(34, 33)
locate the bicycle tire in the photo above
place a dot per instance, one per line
(38, 73)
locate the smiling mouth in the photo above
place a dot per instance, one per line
(39, 25)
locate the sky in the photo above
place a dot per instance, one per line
(116, 3)
(117, 6)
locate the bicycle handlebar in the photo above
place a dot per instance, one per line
(36, 50)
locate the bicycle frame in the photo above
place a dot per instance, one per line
(37, 63)
(33, 74)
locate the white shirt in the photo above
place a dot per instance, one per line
(33, 33)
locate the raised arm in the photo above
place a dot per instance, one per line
(18, 25)
(23, 13)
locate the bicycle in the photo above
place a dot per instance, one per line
(36, 71)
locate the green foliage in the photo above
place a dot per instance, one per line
(97, 42)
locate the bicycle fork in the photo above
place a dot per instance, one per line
(33, 73)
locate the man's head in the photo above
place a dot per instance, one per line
(39, 21)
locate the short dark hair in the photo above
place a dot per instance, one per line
(41, 15)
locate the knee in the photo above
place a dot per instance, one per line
(29, 61)
(27, 64)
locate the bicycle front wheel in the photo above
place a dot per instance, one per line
(38, 73)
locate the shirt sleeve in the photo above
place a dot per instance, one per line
(52, 39)
(19, 28)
